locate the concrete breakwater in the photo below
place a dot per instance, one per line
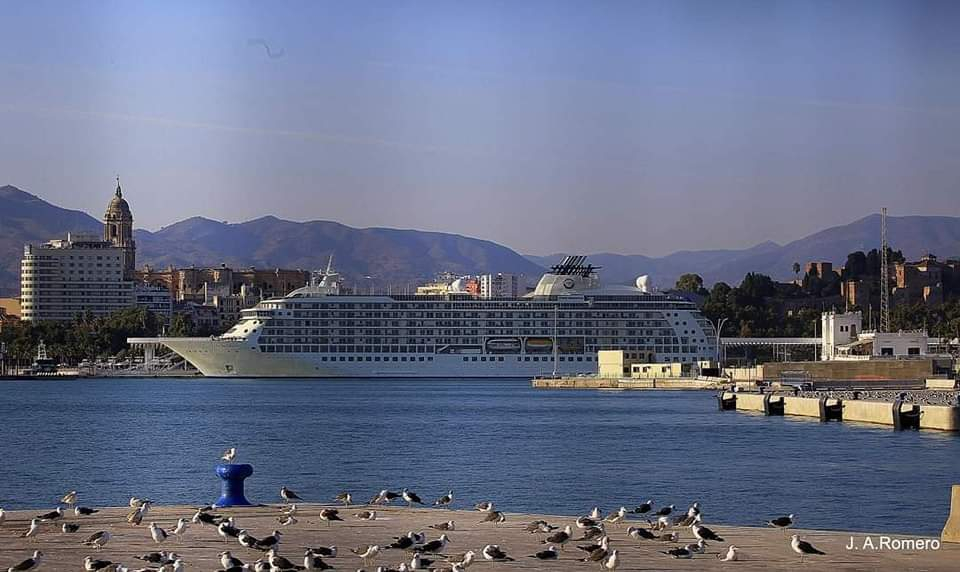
(897, 413)
(593, 382)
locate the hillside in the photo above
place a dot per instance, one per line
(914, 235)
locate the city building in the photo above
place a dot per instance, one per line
(197, 284)
(820, 269)
(156, 299)
(927, 280)
(6, 319)
(10, 306)
(844, 339)
(856, 293)
(63, 278)
(499, 285)
(118, 231)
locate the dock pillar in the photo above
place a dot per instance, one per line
(951, 530)
(831, 412)
(772, 407)
(725, 403)
(905, 419)
(231, 493)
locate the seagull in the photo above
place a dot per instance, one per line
(435, 545)
(52, 515)
(665, 510)
(367, 553)
(34, 529)
(181, 528)
(694, 510)
(328, 551)
(617, 517)
(704, 533)
(69, 499)
(98, 539)
(700, 547)
(287, 520)
(644, 508)
(3, 516)
(783, 522)
(92, 565)
(411, 497)
(493, 552)
(612, 561)
(202, 518)
(585, 522)
(162, 557)
(84, 511)
(680, 552)
(462, 560)
(268, 542)
(312, 561)
(290, 510)
(69, 527)
(403, 542)
(288, 495)
(640, 533)
(449, 525)
(158, 534)
(591, 533)
(669, 537)
(227, 530)
(418, 562)
(227, 560)
(279, 562)
(597, 553)
(229, 455)
(549, 554)
(802, 547)
(384, 497)
(28, 564)
(561, 537)
(135, 516)
(595, 514)
(445, 500)
(329, 515)
(731, 555)
(247, 541)
(604, 543)
(486, 506)
(495, 517)
(366, 515)
(177, 566)
(344, 497)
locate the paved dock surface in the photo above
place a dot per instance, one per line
(761, 548)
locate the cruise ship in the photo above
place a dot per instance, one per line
(321, 331)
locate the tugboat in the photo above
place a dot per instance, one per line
(43, 364)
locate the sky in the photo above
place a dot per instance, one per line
(545, 125)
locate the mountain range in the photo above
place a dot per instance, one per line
(386, 256)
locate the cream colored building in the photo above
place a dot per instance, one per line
(63, 278)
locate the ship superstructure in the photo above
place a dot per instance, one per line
(317, 331)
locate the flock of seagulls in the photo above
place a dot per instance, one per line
(588, 536)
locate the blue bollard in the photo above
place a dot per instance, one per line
(231, 493)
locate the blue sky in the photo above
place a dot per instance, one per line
(546, 125)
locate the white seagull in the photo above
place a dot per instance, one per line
(802, 547)
(34, 529)
(182, 525)
(98, 539)
(229, 455)
(70, 498)
(730, 556)
(612, 561)
(158, 534)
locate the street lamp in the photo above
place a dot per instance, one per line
(718, 327)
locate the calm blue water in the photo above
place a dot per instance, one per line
(529, 450)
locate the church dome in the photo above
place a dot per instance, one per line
(118, 207)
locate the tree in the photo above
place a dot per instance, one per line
(690, 283)
(181, 326)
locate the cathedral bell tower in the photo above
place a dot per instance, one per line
(118, 230)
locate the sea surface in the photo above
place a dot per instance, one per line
(529, 450)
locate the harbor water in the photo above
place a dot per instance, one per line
(551, 451)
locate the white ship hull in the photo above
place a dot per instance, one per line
(232, 358)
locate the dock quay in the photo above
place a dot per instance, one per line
(759, 548)
(594, 382)
(937, 410)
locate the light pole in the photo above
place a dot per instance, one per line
(719, 327)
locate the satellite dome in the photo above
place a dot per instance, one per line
(643, 282)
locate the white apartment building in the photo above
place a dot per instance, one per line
(499, 285)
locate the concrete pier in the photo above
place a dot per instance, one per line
(760, 548)
(938, 417)
(593, 382)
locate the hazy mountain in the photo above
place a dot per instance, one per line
(386, 256)
(914, 235)
(25, 218)
(381, 256)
